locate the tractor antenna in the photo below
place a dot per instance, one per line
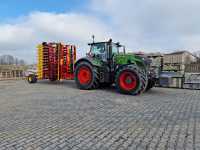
(93, 38)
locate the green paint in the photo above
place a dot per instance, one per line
(123, 59)
(96, 62)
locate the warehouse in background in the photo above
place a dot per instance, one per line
(179, 64)
(192, 76)
(11, 72)
(11, 67)
(179, 69)
(177, 61)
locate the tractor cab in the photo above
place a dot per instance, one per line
(105, 50)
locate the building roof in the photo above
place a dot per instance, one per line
(157, 54)
(181, 52)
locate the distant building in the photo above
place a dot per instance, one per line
(177, 61)
(11, 72)
(193, 68)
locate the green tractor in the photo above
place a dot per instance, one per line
(107, 63)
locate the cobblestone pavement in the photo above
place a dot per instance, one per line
(59, 116)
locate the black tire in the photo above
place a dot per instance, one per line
(133, 70)
(32, 79)
(150, 85)
(144, 80)
(93, 83)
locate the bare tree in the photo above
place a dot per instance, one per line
(7, 60)
(10, 60)
(21, 62)
(16, 61)
(197, 54)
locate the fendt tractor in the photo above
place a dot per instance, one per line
(107, 63)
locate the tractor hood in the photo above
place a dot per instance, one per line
(123, 59)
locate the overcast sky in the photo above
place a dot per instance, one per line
(142, 25)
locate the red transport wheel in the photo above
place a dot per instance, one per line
(128, 81)
(84, 75)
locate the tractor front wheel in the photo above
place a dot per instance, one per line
(86, 76)
(127, 80)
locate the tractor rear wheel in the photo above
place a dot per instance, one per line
(32, 79)
(86, 76)
(128, 80)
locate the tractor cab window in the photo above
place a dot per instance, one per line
(98, 48)
(115, 49)
(121, 50)
(99, 51)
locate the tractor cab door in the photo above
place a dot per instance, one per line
(98, 50)
(113, 50)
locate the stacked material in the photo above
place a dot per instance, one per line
(192, 81)
(171, 80)
(56, 61)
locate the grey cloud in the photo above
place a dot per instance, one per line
(22, 37)
(149, 25)
(154, 24)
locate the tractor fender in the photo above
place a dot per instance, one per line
(91, 61)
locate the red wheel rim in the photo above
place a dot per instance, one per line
(128, 81)
(84, 75)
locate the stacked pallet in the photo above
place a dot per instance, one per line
(56, 61)
(192, 81)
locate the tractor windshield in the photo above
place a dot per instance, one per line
(98, 48)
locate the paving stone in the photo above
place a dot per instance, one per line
(58, 116)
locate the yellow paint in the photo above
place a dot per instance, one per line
(29, 78)
(40, 62)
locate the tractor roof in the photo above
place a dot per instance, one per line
(97, 43)
(104, 43)
(109, 41)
